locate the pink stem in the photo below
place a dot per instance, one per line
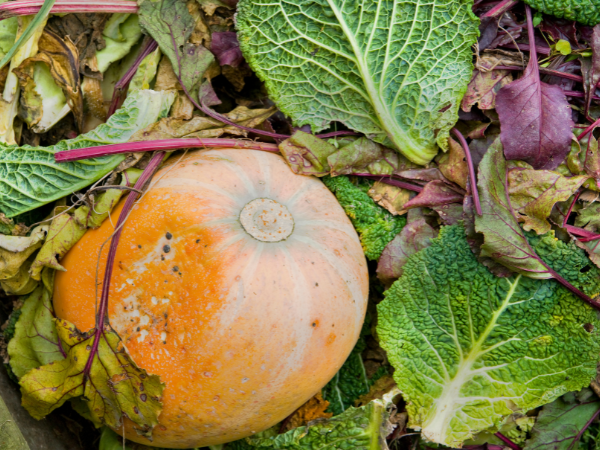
(501, 8)
(387, 179)
(545, 71)
(527, 48)
(588, 130)
(162, 145)
(583, 234)
(471, 167)
(110, 260)
(571, 208)
(149, 46)
(507, 441)
(26, 8)
(579, 95)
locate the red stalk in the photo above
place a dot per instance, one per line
(31, 7)
(527, 48)
(103, 307)
(545, 71)
(162, 145)
(507, 441)
(501, 8)
(471, 167)
(588, 130)
(148, 47)
(387, 179)
(571, 208)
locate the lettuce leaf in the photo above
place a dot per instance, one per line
(395, 71)
(470, 348)
(29, 176)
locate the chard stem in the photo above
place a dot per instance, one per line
(507, 441)
(471, 167)
(161, 145)
(501, 8)
(102, 316)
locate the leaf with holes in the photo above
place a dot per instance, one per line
(113, 387)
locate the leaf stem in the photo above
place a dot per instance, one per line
(507, 441)
(577, 194)
(149, 46)
(387, 179)
(471, 167)
(129, 202)
(501, 8)
(588, 130)
(31, 7)
(585, 427)
(161, 145)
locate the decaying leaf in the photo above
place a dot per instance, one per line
(533, 194)
(453, 164)
(307, 154)
(381, 387)
(392, 198)
(313, 409)
(35, 342)
(204, 127)
(113, 387)
(171, 25)
(62, 59)
(436, 193)
(414, 237)
(484, 87)
(66, 229)
(14, 251)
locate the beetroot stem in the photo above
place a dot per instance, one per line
(160, 145)
(103, 308)
(588, 130)
(507, 441)
(387, 179)
(571, 208)
(501, 8)
(471, 167)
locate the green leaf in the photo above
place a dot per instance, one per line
(35, 342)
(171, 25)
(121, 33)
(470, 348)
(113, 387)
(375, 225)
(146, 72)
(563, 47)
(561, 421)
(38, 21)
(395, 71)
(109, 440)
(363, 428)
(504, 240)
(14, 251)
(29, 176)
(585, 11)
(307, 154)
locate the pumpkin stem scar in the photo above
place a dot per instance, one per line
(267, 220)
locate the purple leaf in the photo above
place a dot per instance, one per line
(207, 94)
(226, 48)
(415, 236)
(590, 69)
(435, 193)
(535, 117)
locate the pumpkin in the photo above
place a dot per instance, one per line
(242, 285)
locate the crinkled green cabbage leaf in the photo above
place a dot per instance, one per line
(393, 70)
(585, 11)
(29, 176)
(471, 348)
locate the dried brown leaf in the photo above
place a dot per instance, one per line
(391, 198)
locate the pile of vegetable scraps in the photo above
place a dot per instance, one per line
(460, 137)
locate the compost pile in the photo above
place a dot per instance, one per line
(459, 138)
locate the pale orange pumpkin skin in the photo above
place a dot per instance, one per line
(241, 331)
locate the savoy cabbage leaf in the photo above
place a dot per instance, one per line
(471, 348)
(29, 176)
(584, 11)
(393, 70)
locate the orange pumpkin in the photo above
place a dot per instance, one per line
(242, 285)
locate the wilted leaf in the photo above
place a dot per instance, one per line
(226, 48)
(561, 421)
(589, 217)
(35, 342)
(414, 237)
(381, 387)
(435, 193)
(390, 197)
(112, 388)
(14, 251)
(453, 164)
(365, 156)
(307, 154)
(533, 194)
(66, 229)
(313, 409)
(484, 87)
(504, 241)
(62, 59)
(204, 127)
(146, 72)
(171, 25)
(535, 119)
